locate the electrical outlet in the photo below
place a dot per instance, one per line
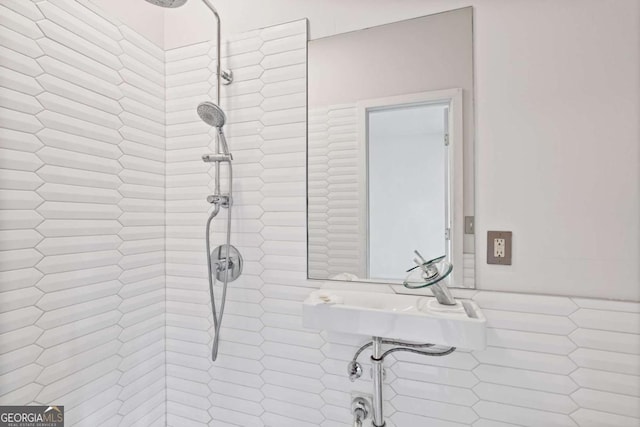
(499, 247)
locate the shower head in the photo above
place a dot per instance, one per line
(168, 3)
(211, 114)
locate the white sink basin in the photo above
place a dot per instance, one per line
(403, 317)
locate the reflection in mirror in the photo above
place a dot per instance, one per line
(406, 168)
(390, 149)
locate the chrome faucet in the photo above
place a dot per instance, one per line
(433, 273)
(443, 294)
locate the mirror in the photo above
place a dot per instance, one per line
(390, 149)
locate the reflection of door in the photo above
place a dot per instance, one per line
(406, 169)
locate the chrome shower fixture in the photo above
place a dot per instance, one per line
(226, 76)
(216, 158)
(168, 3)
(221, 200)
(224, 263)
(211, 114)
(223, 76)
(231, 265)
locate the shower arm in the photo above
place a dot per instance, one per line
(218, 47)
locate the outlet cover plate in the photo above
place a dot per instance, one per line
(491, 236)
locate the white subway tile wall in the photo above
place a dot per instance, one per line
(251, 383)
(84, 307)
(82, 280)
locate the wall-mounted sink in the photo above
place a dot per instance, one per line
(401, 317)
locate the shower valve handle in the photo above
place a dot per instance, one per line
(221, 265)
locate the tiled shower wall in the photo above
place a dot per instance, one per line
(255, 374)
(82, 302)
(551, 361)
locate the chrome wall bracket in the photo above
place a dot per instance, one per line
(217, 158)
(223, 200)
(227, 77)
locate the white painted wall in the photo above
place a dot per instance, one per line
(557, 102)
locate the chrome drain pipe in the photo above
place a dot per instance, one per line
(378, 370)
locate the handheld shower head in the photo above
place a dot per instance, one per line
(211, 114)
(168, 3)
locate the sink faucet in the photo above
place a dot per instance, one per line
(443, 294)
(433, 277)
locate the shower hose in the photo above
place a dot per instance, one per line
(217, 316)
